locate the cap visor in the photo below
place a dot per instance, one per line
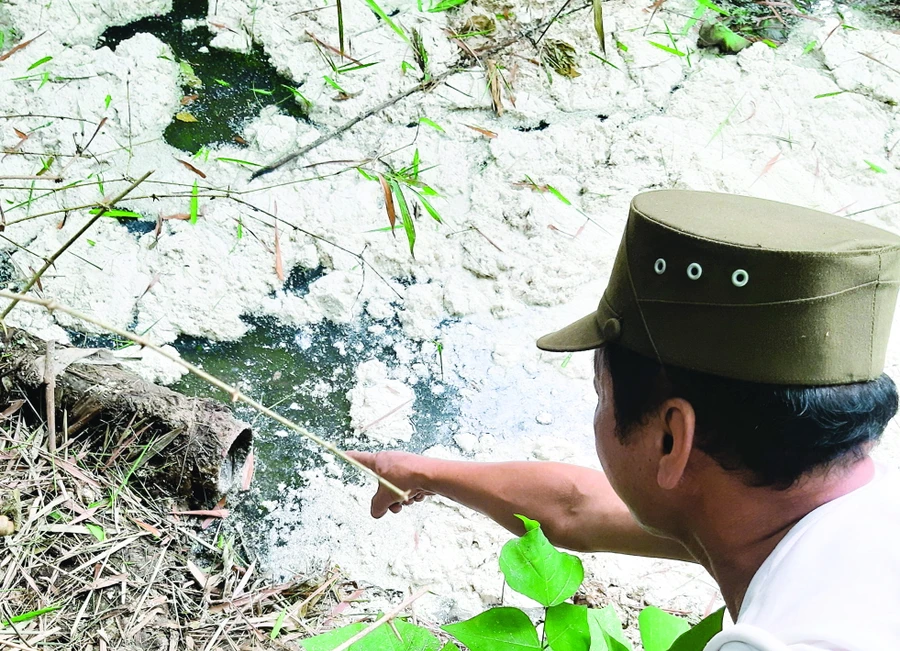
(584, 334)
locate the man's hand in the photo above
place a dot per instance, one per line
(401, 469)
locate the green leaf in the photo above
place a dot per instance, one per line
(701, 634)
(444, 5)
(122, 214)
(32, 614)
(363, 173)
(383, 638)
(429, 208)
(276, 629)
(222, 82)
(91, 242)
(711, 5)
(659, 629)
(387, 19)
(107, 101)
(837, 92)
(874, 167)
(262, 91)
(666, 48)
(606, 630)
(331, 82)
(195, 203)
(96, 531)
(40, 62)
(609, 63)
(597, 10)
(809, 47)
(497, 629)
(449, 647)
(559, 195)
(566, 627)
(238, 161)
(533, 567)
(431, 123)
(408, 224)
(530, 525)
(622, 46)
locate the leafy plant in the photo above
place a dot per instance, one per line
(393, 183)
(534, 568)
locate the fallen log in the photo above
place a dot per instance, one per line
(191, 448)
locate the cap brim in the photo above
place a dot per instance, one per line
(584, 334)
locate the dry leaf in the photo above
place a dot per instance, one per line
(279, 268)
(388, 201)
(598, 24)
(247, 474)
(184, 116)
(196, 171)
(22, 135)
(484, 132)
(240, 141)
(212, 513)
(148, 528)
(493, 77)
(208, 521)
(14, 406)
(188, 99)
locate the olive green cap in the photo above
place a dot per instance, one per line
(748, 289)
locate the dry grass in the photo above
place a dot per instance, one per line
(121, 571)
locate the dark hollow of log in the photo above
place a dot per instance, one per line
(192, 449)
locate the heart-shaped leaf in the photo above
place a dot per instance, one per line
(497, 629)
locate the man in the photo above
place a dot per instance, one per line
(739, 350)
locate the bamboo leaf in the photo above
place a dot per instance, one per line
(598, 24)
(40, 62)
(387, 19)
(388, 201)
(405, 216)
(195, 203)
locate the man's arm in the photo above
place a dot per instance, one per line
(576, 506)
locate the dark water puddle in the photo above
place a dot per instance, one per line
(235, 86)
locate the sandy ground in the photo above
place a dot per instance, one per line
(816, 128)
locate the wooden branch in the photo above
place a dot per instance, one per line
(50, 396)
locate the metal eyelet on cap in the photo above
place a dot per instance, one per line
(694, 271)
(660, 266)
(740, 278)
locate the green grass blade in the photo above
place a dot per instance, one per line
(124, 214)
(387, 19)
(609, 63)
(874, 167)
(431, 123)
(666, 48)
(340, 22)
(837, 92)
(435, 215)
(405, 215)
(276, 629)
(24, 617)
(225, 159)
(195, 204)
(40, 62)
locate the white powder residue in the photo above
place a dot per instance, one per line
(380, 408)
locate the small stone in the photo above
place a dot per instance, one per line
(544, 418)
(466, 442)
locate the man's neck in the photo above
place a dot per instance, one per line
(736, 528)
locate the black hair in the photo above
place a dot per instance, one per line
(773, 434)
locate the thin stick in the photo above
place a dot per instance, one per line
(50, 397)
(30, 177)
(422, 86)
(104, 207)
(388, 616)
(236, 396)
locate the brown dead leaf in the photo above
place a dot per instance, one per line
(212, 513)
(247, 474)
(20, 46)
(188, 99)
(240, 141)
(279, 268)
(195, 170)
(149, 528)
(14, 406)
(184, 116)
(388, 201)
(484, 132)
(208, 521)
(22, 135)
(494, 84)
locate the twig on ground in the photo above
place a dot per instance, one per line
(104, 208)
(236, 395)
(50, 396)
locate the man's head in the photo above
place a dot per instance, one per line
(661, 429)
(740, 340)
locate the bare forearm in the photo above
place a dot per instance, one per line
(576, 506)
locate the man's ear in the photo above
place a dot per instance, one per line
(678, 422)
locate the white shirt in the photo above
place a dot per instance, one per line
(832, 583)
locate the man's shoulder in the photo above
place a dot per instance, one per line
(835, 570)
